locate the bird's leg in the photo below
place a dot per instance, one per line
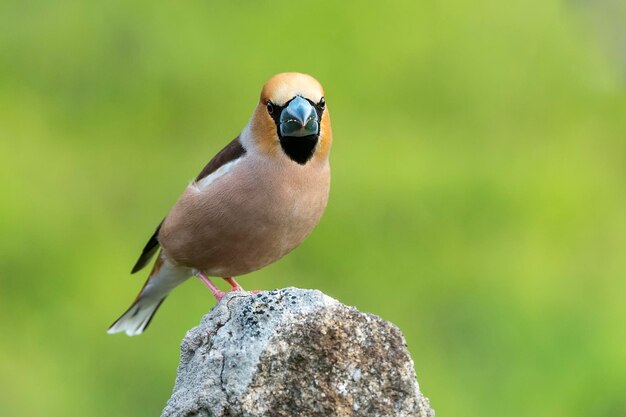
(234, 284)
(214, 290)
(236, 287)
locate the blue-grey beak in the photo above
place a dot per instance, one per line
(299, 119)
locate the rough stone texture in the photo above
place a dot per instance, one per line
(294, 352)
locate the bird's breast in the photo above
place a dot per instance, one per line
(248, 218)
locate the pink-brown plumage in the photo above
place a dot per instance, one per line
(250, 217)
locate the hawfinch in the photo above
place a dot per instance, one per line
(253, 203)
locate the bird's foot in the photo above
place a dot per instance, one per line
(236, 287)
(217, 293)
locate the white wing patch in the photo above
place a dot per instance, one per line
(220, 172)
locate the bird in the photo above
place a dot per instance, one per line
(255, 201)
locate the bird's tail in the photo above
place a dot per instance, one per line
(163, 279)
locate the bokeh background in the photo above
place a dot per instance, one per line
(478, 197)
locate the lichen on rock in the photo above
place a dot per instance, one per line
(294, 352)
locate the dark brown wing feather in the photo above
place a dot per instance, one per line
(231, 152)
(148, 251)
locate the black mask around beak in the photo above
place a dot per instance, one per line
(299, 129)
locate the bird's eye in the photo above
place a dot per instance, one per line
(322, 103)
(270, 107)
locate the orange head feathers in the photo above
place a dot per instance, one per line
(291, 118)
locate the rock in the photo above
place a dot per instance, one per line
(294, 352)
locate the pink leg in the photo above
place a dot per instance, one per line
(234, 284)
(214, 290)
(236, 287)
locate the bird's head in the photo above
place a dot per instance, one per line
(292, 119)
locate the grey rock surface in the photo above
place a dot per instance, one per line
(294, 352)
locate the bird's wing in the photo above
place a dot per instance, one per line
(231, 152)
(148, 251)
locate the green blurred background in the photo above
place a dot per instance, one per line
(478, 197)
